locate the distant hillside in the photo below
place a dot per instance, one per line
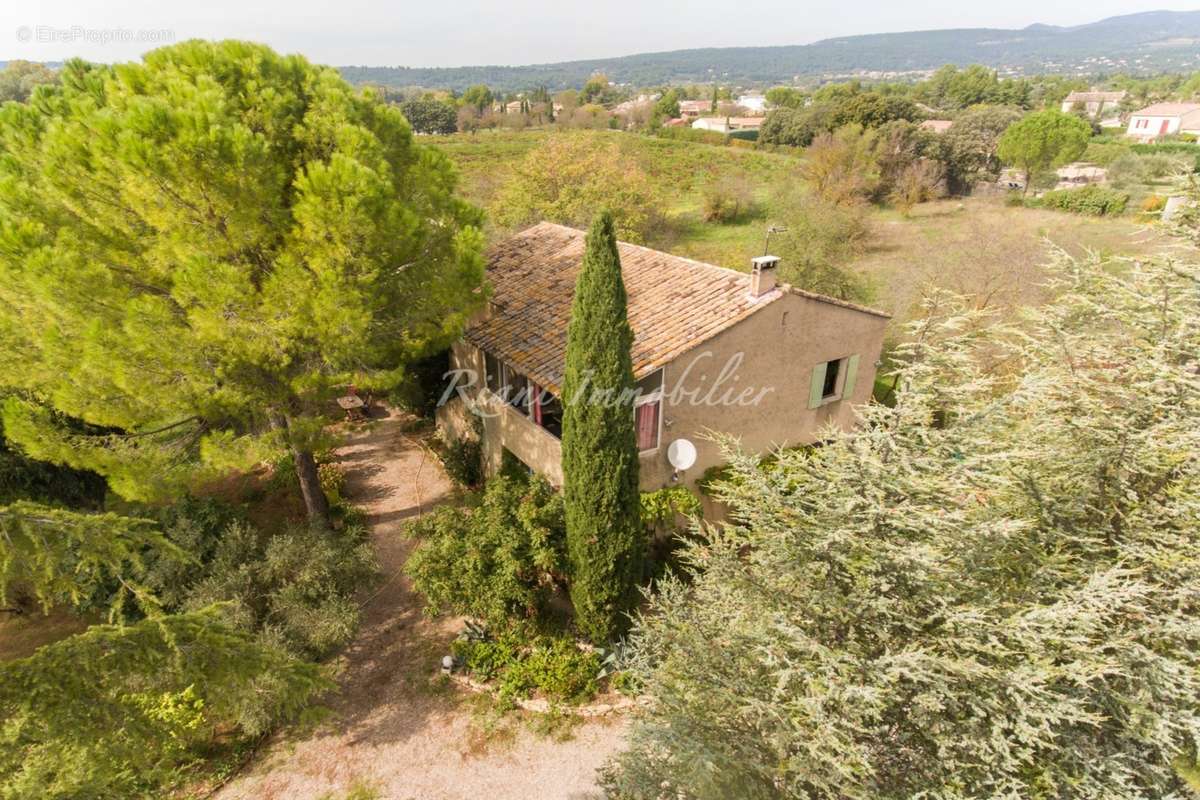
(1148, 42)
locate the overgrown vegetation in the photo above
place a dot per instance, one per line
(1001, 601)
(293, 586)
(116, 711)
(203, 310)
(498, 561)
(1098, 201)
(521, 665)
(462, 458)
(568, 178)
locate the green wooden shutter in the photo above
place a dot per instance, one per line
(817, 388)
(851, 374)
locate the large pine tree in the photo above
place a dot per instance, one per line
(198, 252)
(599, 444)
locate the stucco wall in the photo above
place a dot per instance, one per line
(762, 400)
(780, 346)
(503, 426)
(1176, 123)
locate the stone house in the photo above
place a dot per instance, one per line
(1094, 104)
(715, 351)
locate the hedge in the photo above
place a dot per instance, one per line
(1096, 201)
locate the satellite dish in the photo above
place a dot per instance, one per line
(681, 453)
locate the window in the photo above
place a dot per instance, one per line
(515, 388)
(829, 387)
(647, 411)
(650, 385)
(833, 381)
(491, 368)
(548, 412)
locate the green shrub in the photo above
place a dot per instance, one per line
(497, 562)
(463, 460)
(1104, 153)
(1162, 165)
(659, 508)
(295, 586)
(487, 658)
(330, 473)
(726, 200)
(425, 385)
(1170, 148)
(1013, 199)
(1126, 170)
(554, 667)
(1095, 201)
(333, 479)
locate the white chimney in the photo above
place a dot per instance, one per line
(762, 275)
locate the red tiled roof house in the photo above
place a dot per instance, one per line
(715, 350)
(1164, 119)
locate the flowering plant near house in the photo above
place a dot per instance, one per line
(989, 590)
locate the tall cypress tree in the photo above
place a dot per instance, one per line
(599, 444)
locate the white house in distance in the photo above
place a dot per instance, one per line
(727, 124)
(1164, 119)
(754, 104)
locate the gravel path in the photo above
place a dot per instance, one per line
(391, 729)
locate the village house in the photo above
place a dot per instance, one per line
(727, 124)
(714, 351)
(1164, 119)
(1094, 104)
(642, 101)
(755, 104)
(690, 109)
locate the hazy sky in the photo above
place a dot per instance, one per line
(457, 32)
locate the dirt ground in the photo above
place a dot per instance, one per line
(394, 728)
(987, 250)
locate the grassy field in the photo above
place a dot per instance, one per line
(680, 169)
(977, 246)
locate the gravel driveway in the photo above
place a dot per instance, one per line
(392, 729)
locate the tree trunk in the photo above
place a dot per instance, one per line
(316, 504)
(315, 501)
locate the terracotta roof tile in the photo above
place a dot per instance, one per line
(675, 303)
(1168, 110)
(1094, 97)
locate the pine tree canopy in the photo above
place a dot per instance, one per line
(198, 250)
(991, 590)
(114, 710)
(599, 443)
(64, 556)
